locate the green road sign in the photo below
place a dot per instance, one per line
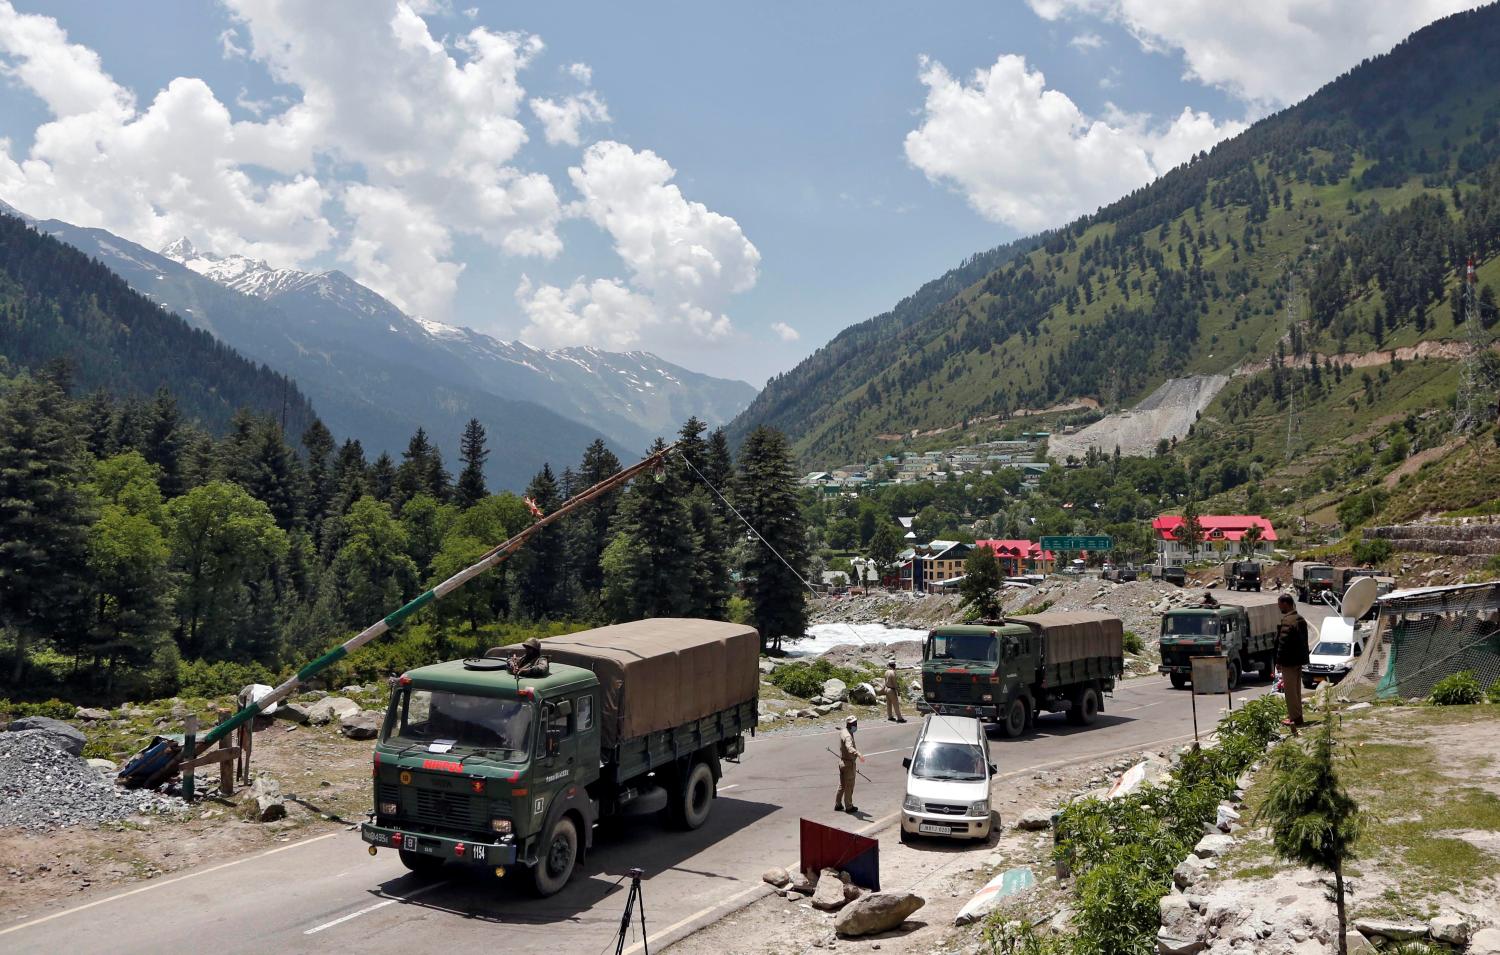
(1100, 542)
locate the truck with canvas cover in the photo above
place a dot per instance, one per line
(1007, 671)
(1242, 575)
(498, 762)
(1242, 629)
(1312, 579)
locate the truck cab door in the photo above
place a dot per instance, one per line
(559, 743)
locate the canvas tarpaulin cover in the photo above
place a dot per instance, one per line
(661, 673)
(1076, 635)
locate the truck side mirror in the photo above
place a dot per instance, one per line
(563, 707)
(906, 763)
(994, 769)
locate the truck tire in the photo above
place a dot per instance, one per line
(1234, 674)
(693, 802)
(1085, 708)
(1179, 681)
(1015, 719)
(556, 857)
(420, 863)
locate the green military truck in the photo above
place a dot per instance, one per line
(1242, 575)
(1008, 671)
(1312, 579)
(1242, 629)
(482, 766)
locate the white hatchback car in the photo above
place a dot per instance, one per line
(948, 780)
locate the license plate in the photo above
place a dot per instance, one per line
(936, 830)
(1318, 679)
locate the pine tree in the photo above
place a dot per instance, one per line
(421, 470)
(765, 493)
(351, 478)
(589, 526)
(711, 584)
(44, 520)
(163, 442)
(318, 476)
(383, 478)
(653, 549)
(542, 568)
(274, 476)
(720, 467)
(99, 424)
(473, 453)
(981, 584)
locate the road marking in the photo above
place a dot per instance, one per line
(370, 908)
(725, 789)
(158, 885)
(898, 749)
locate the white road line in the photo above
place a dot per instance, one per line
(158, 885)
(898, 749)
(370, 908)
(725, 789)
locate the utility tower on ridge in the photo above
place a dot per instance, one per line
(1475, 389)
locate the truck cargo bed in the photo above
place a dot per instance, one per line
(639, 755)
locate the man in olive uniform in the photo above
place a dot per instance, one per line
(893, 693)
(1291, 656)
(848, 753)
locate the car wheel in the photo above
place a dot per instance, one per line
(1015, 719)
(554, 865)
(905, 837)
(420, 863)
(1179, 681)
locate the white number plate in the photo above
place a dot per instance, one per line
(936, 830)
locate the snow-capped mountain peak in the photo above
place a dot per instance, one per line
(239, 272)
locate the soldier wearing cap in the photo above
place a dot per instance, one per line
(893, 693)
(848, 753)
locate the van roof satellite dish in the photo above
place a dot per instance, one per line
(1359, 598)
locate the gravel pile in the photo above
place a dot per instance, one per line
(42, 788)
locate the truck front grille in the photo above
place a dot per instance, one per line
(450, 810)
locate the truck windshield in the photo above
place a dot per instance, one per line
(1190, 625)
(948, 761)
(962, 646)
(480, 723)
(1320, 573)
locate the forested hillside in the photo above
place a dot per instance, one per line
(57, 303)
(1365, 199)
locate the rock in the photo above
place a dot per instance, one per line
(1190, 871)
(767, 666)
(103, 765)
(829, 895)
(876, 912)
(1212, 846)
(801, 884)
(1486, 941)
(59, 734)
(294, 712)
(768, 718)
(1450, 927)
(1357, 944)
(91, 715)
(268, 802)
(863, 693)
(1162, 607)
(332, 708)
(1227, 817)
(835, 690)
(352, 690)
(1396, 930)
(825, 709)
(364, 724)
(1035, 820)
(773, 706)
(777, 876)
(1358, 706)
(1181, 933)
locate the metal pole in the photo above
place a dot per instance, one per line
(189, 745)
(1194, 697)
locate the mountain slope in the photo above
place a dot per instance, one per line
(57, 303)
(631, 397)
(1371, 191)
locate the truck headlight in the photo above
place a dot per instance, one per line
(911, 804)
(387, 809)
(980, 808)
(501, 826)
(986, 698)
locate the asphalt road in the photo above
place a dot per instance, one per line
(326, 893)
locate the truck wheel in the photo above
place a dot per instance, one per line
(1015, 719)
(696, 799)
(1086, 707)
(555, 860)
(419, 863)
(1234, 674)
(1179, 681)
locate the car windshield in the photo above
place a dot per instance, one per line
(461, 721)
(948, 761)
(962, 646)
(1190, 625)
(1329, 648)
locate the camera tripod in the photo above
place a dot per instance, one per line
(633, 901)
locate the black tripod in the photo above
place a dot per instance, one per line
(632, 902)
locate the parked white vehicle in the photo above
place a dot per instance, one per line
(1338, 649)
(948, 780)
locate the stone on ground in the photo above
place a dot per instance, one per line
(835, 690)
(1181, 933)
(90, 714)
(1450, 927)
(269, 805)
(863, 694)
(331, 709)
(59, 734)
(365, 724)
(876, 912)
(1486, 941)
(294, 712)
(1357, 944)
(103, 765)
(1035, 820)
(829, 896)
(1396, 930)
(777, 876)
(801, 884)
(1211, 846)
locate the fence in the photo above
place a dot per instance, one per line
(1427, 634)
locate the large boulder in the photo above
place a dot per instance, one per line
(876, 912)
(1035, 820)
(1211, 846)
(59, 734)
(830, 895)
(835, 690)
(269, 806)
(1486, 941)
(1395, 930)
(863, 693)
(331, 709)
(1181, 932)
(294, 713)
(91, 715)
(364, 724)
(1450, 927)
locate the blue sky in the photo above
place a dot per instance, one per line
(767, 174)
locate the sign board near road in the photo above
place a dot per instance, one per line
(1098, 542)
(1210, 675)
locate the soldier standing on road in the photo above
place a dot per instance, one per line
(848, 753)
(1291, 656)
(893, 693)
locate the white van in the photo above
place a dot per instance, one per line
(948, 780)
(1340, 645)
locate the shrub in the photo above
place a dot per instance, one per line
(1372, 551)
(1459, 689)
(211, 679)
(1133, 642)
(1493, 693)
(1492, 566)
(806, 679)
(54, 708)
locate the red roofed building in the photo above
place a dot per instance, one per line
(1018, 557)
(1222, 535)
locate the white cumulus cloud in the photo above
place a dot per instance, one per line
(785, 332)
(1086, 41)
(563, 118)
(1027, 156)
(1268, 54)
(603, 313)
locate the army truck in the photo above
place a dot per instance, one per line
(1242, 629)
(478, 765)
(1008, 671)
(1242, 575)
(1312, 579)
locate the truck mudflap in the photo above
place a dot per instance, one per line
(457, 850)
